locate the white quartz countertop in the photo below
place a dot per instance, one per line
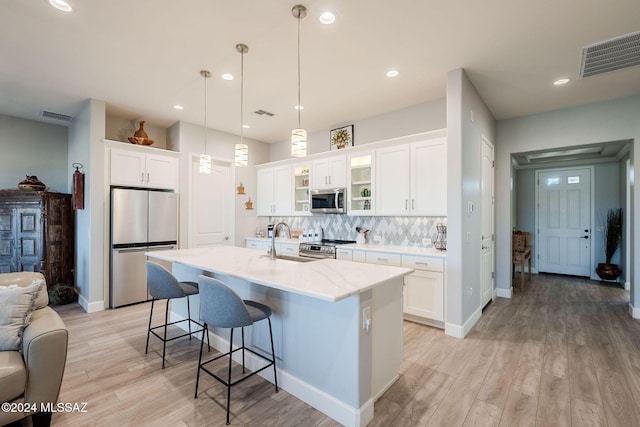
(402, 250)
(277, 239)
(326, 279)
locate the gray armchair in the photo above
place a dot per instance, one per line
(35, 374)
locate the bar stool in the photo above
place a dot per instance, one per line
(163, 285)
(221, 307)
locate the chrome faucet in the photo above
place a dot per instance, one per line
(272, 251)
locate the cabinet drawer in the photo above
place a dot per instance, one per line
(253, 244)
(345, 254)
(359, 256)
(384, 258)
(287, 249)
(419, 262)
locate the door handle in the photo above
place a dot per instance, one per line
(585, 237)
(226, 237)
(485, 247)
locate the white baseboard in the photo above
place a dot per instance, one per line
(324, 402)
(627, 286)
(90, 307)
(458, 331)
(634, 311)
(505, 293)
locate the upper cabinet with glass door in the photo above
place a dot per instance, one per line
(361, 177)
(301, 186)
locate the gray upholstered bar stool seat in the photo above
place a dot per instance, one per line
(163, 285)
(221, 307)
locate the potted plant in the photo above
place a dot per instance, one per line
(62, 293)
(612, 237)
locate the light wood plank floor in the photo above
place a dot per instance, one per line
(563, 352)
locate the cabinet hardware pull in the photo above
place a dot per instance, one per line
(413, 204)
(406, 204)
(422, 263)
(147, 176)
(141, 176)
(383, 259)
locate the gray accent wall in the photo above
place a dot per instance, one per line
(468, 121)
(33, 148)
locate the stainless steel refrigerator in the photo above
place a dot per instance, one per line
(141, 221)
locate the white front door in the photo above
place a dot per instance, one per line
(564, 221)
(211, 205)
(487, 221)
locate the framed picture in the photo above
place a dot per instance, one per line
(341, 137)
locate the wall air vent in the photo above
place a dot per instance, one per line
(611, 55)
(56, 116)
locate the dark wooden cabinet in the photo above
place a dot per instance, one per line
(36, 234)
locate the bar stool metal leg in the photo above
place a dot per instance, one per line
(273, 355)
(204, 331)
(243, 370)
(189, 315)
(146, 350)
(164, 341)
(229, 376)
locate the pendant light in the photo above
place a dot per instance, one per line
(205, 159)
(299, 136)
(241, 157)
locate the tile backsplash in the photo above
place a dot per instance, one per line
(397, 230)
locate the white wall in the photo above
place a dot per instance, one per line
(613, 120)
(468, 120)
(86, 136)
(190, 138)
(121, 128)
(33, 148)
(419, 118)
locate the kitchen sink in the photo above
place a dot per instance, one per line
(291, 258)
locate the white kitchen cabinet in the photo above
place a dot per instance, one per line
(254, 244)
(384, 258)
(429, 178)
(274, 191)
(361, 178)
(330, 172)
(301, 188)
(411, 179)
(344, 254)
(283, 248)
(424, 289)
(135, 168)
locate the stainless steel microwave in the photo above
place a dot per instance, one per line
(331, 201)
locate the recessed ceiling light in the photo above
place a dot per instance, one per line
(299, 107)
(327, 18)
(178, 107)
(246, 126)
(392, 73)
(61, 5)
(562, 81)
(227, 76)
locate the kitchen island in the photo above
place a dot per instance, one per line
(337, 324)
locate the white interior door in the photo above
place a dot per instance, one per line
(488, 213)
(211, 208)
(564, 221)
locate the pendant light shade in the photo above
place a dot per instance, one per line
(299, 136)
(241, 156)
(205, 159)
(298, 143)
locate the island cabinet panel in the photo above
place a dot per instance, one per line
(36, 234)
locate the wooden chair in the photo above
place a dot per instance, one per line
(521, 247)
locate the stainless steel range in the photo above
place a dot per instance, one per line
(323, 249)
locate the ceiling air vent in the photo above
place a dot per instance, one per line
(611, 55)
(56, 116)
(263, 113)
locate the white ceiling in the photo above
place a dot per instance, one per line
(143, 56)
